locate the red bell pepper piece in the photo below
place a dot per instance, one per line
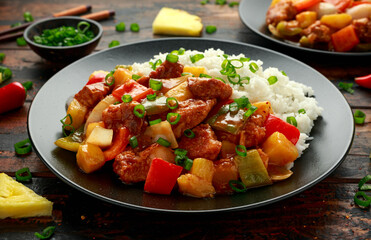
(12, 96)
(132, 88)
(301, 5)
(275, 124)
(364, 81)
(97, 77)
(345, 39)
(341, 5)
(120, 141)
(162, 176)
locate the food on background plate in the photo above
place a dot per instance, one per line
(201, 123)
(18, 201)
(333, 25)
(177, 22)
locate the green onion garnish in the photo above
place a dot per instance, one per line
(221, 2)
(120, 27)
(272, 80)
(113, 43)
(241, 153)
(5, 74)
(46, 234)
(196, 58)
(203, 2)
(283, 73)
(2, 56)
(243, 102)
(188, 164)
(153, 122)
(133, 142)
(180, 152)
(237, 186)
(203, 75)
(171, 116)
(64, 125)
(23, 175)
(21, 41)
(163, 142)
(359, 117)
(169, 101)
(189, 133)
(23, 147)
(151, 97)
(187, 73)
(210, 29)
(302, 111)
(232, 4)
(83, 26)
(363, 203)
(154, 65)
(346, 86)
(134, 27)
(135, 77)
(27, 17)
(139, 111)
(155, 84)
(16, 24)
(292, 121)
(233, 107)
(109, 76)
(362, 184)
(126, 98)
(253, 67)
(172, 58)
(249, 112)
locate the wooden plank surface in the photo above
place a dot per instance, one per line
(326, 211)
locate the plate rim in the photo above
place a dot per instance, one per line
(152, 209)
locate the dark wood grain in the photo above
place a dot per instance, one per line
(326, 211)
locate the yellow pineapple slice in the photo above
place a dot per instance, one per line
(17, 201)
(178, 22)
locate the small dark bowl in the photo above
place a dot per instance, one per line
(63, 53)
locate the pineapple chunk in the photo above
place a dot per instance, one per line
(77, 112)
(163, 130)
(17, 201)
(102, 137)
(203, 168)
(180, 92)
(90, 158)
(177, 22)
(196, 71)
(195, 186)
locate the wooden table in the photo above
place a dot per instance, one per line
(326, 211)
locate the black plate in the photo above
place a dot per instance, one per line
(325, 153)
(252, 14)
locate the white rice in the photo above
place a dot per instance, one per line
(286, 97)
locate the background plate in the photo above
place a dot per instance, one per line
(252, 14)
(325, 153)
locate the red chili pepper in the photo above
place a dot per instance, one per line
(162, 176)
(97, 77)
(12, 96)
(134, 89)
(275, 124)
(364, 81)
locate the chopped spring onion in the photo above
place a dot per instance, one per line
(233, 107)
(171, 116)
(210, 29)
(153, 122)
(133, 142)
(21, 41)
(151, 97)
(113, 43)
(2, 56)
(229, 69)
(16, 24)
(362, 184)
(155, 84)
(205, 75)
(189, 133)
(83, 26)
(126, 98)
(249, 112)
(109, 76)
(170, 101)
(180, 152)
(253, 67)
(155, 64)
(292, 121)
(232, 4)
(23, 175)
(27, 17)
(283, 73)
(187, 73)
(196, 58)
(172, 58)
(46, 234)
(23, 147)
(120, 27)
(359, 117)
(346, 87)
(139, 111)
(181, 51)
(237, 186)
(179, 160)
(5, 74)
(64, 125)
(272, 80)
(363, 203)
(241, 153)
(134, 27)
(204, 2)
(135, 77)
(243, 102)
(188, 164)
(221, 2)
(163, 142)
(302, 111)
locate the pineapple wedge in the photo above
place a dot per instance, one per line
(177, 22)
(17, 201)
